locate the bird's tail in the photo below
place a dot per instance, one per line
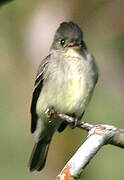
(38, 156)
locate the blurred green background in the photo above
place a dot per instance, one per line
(26, 33)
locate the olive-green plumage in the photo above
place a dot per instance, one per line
(65, 81)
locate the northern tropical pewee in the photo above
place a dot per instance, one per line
(65, 81)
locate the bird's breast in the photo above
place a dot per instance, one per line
(71, 89)
(67, 88)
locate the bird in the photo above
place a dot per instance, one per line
(65, 81)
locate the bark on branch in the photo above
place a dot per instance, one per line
(98, 135)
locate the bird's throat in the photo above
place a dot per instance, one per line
(73, 52)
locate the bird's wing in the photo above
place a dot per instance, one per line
(37, 89)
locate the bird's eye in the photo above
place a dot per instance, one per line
(62, 42)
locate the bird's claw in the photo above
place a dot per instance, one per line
(75, 123)
(50, 112)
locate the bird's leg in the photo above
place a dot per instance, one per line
(71, 120)
(76, 122)
(50, 112)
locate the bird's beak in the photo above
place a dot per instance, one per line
(74, 46)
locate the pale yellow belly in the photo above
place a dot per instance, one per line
(68, 97)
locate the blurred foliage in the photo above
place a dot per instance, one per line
(3, 2)
(26, 32)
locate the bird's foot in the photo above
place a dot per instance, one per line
(75, 124)
(50, 112)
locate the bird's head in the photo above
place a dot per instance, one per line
(68, 35)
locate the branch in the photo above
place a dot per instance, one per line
(98, 135)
